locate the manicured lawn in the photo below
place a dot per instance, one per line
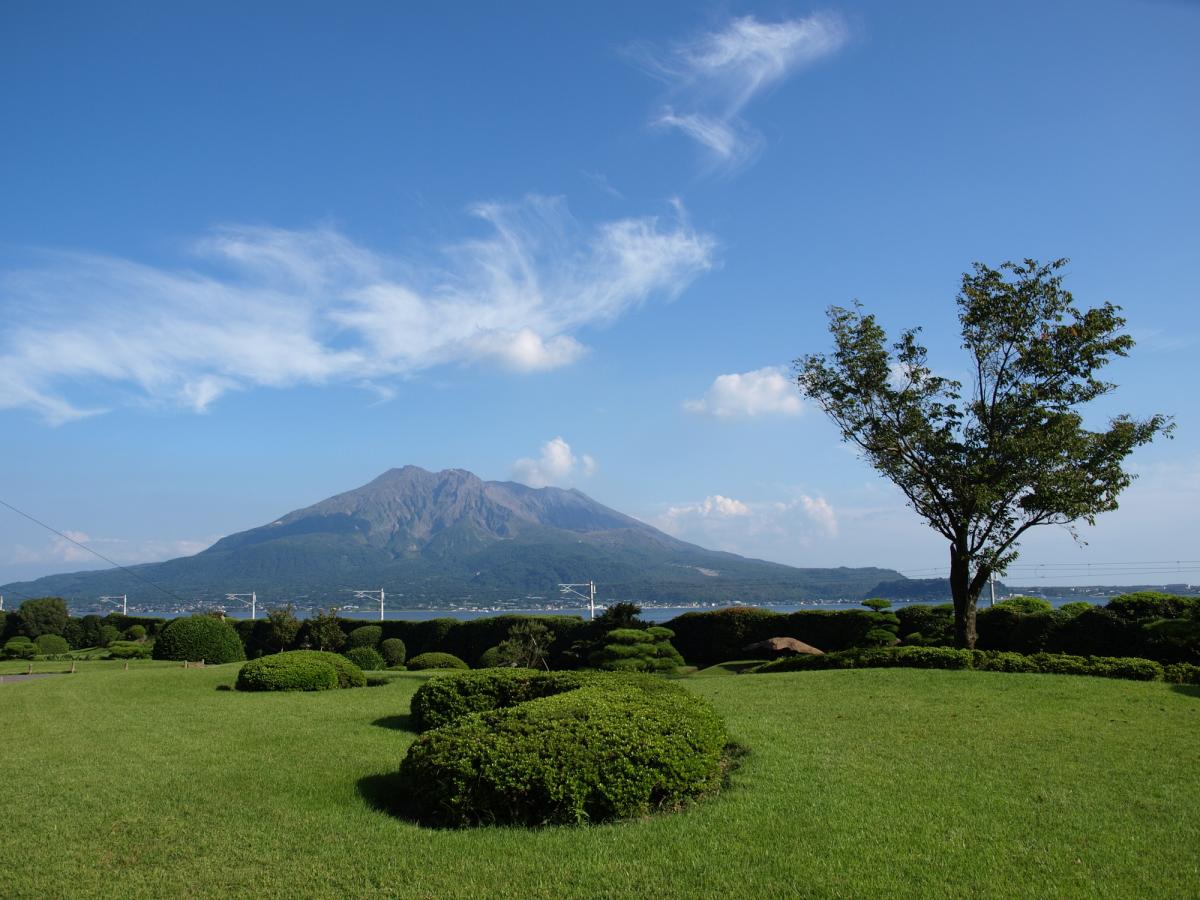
(859, 783)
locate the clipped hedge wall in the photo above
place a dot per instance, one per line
(441, 701)
(300, 670)
(199, 637)
(981, 660)
(436, 661)
(611, 749)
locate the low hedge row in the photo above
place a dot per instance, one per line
(441, 701)
(300, 670)
(990, 661)
(615, 747)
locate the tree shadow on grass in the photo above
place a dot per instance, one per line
(401, 722)
(1192, 690)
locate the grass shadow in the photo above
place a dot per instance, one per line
(385, 794)
(1192, 690)
(402, 722)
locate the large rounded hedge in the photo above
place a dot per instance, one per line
(365, 636)
(617, 747)
(199, 638)
(300, 670)
(436, 661)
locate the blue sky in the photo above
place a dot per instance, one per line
(254, 256)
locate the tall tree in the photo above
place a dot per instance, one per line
(984, 465)
(45, 615)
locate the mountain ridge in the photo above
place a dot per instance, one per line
(443, 536)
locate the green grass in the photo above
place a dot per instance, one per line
(868, 783)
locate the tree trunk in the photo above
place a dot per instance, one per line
(964, 600)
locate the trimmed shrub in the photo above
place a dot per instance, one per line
(1151, 605)
(393, 651)
(1181, 673)
(436, 661)
(50, 644)
(128, 650)
(135, 633)
(1075, 607)
(20, 647)
(199, 637)
(1025, 605)
(300, 670)
(637, 650)
(440, 701)
(108, 634)
(612, 749)
(490, 659)
(366, 658)
(365, 636)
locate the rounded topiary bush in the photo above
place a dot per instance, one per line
(440, 701)
(615, 748)
(394, 652)
(366, 658)
(49, 644)
(364, 636)
(436, 661)
(199, 637)
(300, 670)
(490, 659)
(20, 647)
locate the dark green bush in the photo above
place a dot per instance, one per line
(136, 632)
(50, 644)
(365, 636)
(108, 634)
(128, 650)
(1151, 605)
(1002, 661)
(20, 647)
(300, 670)
(440, 701)
(1075, 607)
(436, 661)
(43, 615)
(366, 658)
(490, 659)
(1181, 673)
(199, 638)
(394, 652)
(612, 749)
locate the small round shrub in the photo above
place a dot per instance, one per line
(49, 644)
(394, 652)
(436, 661)
(364, 636)
(1075, 607)
(135, 633)
(199, 637)
(612, 749)
(440, 701)
(490, 658)
(366, 658)
(300, 670)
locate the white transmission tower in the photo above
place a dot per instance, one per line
(363, 595)
(253, 599)
(576, 590)
(124, 598)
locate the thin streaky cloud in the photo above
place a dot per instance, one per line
(271, 307)
(711, 79)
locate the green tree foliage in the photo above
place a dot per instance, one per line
(984, 464)
(366, 658)
(46, 615)
(51, 644)
(324, 632)
(394, 652)
(1025, 605)
(620, 615)
(19, 647)
(527, 645)
(282, 627)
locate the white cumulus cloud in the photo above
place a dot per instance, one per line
(556, 465)
(763, 392)
(724, 523)
(269, 307)
(712, 78)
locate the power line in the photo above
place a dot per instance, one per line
(95, 553)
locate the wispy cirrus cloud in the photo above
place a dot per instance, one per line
(763, 392)
(272, 307)
(711, 79)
